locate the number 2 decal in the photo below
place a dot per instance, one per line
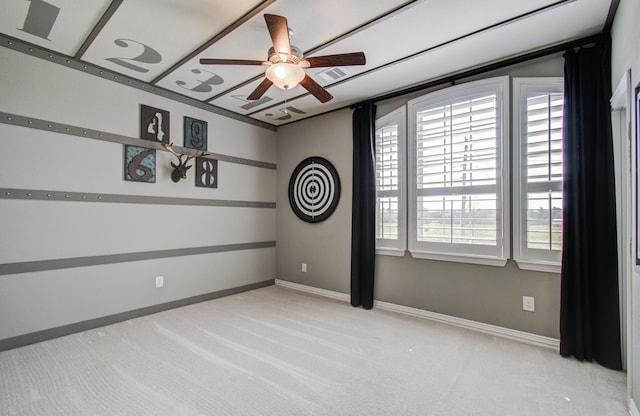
(41, 17)
(148, 56)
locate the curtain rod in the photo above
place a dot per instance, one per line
(451, 79)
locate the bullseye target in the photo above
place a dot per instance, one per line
(314, 189)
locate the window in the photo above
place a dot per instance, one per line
(537, 160)
(458, 196)
(390, 184)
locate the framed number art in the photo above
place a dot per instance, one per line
(139, 164)
(154, 124)
(206, 172)
(195, 133)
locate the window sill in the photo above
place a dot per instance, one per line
(390, 252)
(484, 260)
(539, 266)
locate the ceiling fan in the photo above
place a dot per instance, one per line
(286, 64)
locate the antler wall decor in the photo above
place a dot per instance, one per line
(180, 170)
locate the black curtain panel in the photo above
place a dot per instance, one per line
(589, 308)
(363, 238)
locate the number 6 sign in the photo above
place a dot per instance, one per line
(139, 164)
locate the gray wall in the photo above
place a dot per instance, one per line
(326, 246)
(120, 247)
(625, 56)
(486, 294)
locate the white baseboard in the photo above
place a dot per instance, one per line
(633, 409)
(316, 291)
(494, 330)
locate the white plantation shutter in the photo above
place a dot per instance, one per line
(538, 111)
(387, 182)
(457, 155)
(390, 187)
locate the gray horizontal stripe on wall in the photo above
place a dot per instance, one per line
(56, 264)
(32, 338)
(40, 195)
(39, 124)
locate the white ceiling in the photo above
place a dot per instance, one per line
(405, 42)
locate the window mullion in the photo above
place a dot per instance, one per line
(549, 119)
(457, 197)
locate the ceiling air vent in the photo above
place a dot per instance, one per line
(332, 74)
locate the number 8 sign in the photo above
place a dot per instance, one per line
(206, 172)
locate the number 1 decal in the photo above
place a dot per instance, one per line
(40, 19)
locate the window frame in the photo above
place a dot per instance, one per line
(397, 247)
(466, 253)
(526, 258)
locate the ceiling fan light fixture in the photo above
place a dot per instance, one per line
(286, 65)
(285, 75)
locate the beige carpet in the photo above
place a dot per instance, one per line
(275, 351)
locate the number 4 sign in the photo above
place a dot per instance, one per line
(154, 124)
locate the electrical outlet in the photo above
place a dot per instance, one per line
(159, 281)
(304, 267)
(528, 303)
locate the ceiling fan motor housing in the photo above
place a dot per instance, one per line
(294, 57)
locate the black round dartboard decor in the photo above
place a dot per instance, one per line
(314, 189)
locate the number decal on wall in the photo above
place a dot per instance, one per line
(140, 164)
(40, 19)
(287, 113)
(206, 173)
(205, 86)
(148, 56)
(249, 104)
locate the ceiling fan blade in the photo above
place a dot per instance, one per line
(315, 89)
(344, 59)
(279, 31)
(260, 90)
(208, 61)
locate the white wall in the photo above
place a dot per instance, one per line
(626, 56)
(34, 230)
